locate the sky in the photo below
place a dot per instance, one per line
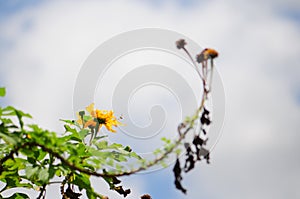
(44, 44)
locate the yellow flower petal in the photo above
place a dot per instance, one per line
(91, 109)
(79, 120)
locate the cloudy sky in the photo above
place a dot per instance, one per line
(43, 45)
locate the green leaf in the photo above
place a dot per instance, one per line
(44, 175)
(14, 164)
(83, 182)
(2, 92)
(178, 152)
(83, 133)
(163, 164)
(8, 139)
(9, 111)
(35, 128)
(167, 141)
(110, 162)
(115, 146)
(22, 114)
(51, 172)
(72, 122)
(41, 155)
(12, 111)
(156, 151)
(102, 145)
(31, 171)
(70, 129)
(100, 137)
(135, 155)
(13, 181)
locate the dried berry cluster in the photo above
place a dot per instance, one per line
(195, 150)
(113, 181)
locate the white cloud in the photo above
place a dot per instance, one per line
(256, 155)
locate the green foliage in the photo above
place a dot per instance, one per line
(32, 157)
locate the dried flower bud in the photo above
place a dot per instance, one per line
(206, 54)
(146, 196)
(180, 43)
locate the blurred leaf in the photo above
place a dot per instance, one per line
(100, 137)
(44, 175)
(20, 115)
(9, 139)
(167, 141)
(41, 155)
(83, 133)
(72, 122)
(8, 111)
(31, 171)
(102, 145)
(2, 92)
(83, 182)
(35, 128)
(70, 129)
(115, 146)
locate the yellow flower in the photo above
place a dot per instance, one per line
(100, 117)
(107, 119)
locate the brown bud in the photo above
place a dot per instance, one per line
(180, 43)
(206, 54)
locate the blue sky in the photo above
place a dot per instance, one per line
(43, 45)
(11, 7)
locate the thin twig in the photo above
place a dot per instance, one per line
(193, 61)
(43, 190)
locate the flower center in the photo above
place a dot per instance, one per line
(101, 120)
